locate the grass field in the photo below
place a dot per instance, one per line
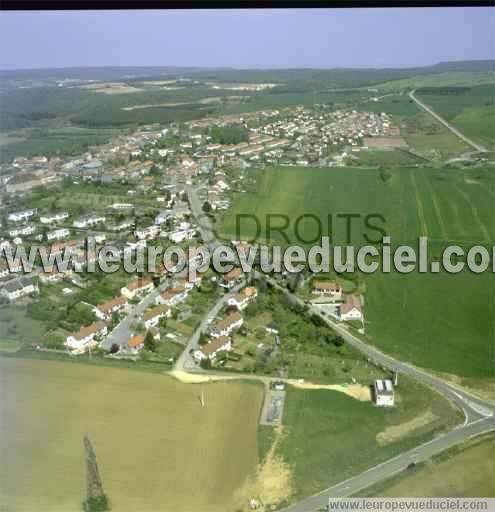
(324, 440)
(154, 443)
(465, 471)
(438, 321)
(472, 112)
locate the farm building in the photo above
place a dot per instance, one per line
(384, 393)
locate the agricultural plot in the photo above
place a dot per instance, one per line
(413, 316)
(472, 111)
(467, 470)
(154, 442)
(323, 441)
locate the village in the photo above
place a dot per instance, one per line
(150, 173)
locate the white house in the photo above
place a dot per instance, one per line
(51, 218)
(82, 339)
(181, 235)
(210, 351)
(243, 298)
(172, 296)
(231, 278)
(89, 221)
(135, 344)
(21, 215)
(139, 286)
(58, 234)
(19, 287)
(351, 309)
(153, 316)
(225, 326)
(105, 310)
(51, 277)
(384, 393)
(25, 230)
(148, 232)
(329, 289)
(162, 217)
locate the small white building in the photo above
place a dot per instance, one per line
(329, 289)
(89, 221)
(225, 326)
(242, 299)
(139, 286)
(153, 316)
(21, 215)
(148, 232)
(211, 350)
(384, 393)
(58, 234)
(86, 336)
(172, 296)
(351, 309)
(51, 218)
(25, 230)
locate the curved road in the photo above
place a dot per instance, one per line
(441, 120)
(479, 414)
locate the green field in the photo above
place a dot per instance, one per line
(466, 471)
(472, 111)
(154, 442)
(438, 321)
(329, 437)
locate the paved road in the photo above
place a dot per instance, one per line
(479, 414)
(455, 131)
(185, 361)
(120, 335)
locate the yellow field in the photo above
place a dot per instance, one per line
(157, 448)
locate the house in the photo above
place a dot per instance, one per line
(162, 217)
(105, 310)
(51, 277)
(58, 234)
(83, 338)
(231, 278)
(19, 287)
(139, 286)
(25, 230)
(21, 215)
(153, 316)
(148, 232)
(181, 235)
(210, 351)
(329, 289)
(384, 393)
(6, 270)
(88, 221)
(225, 326)
(351, 309)
(136, 343)
(51, 218)
(243, 298)
(172, 296)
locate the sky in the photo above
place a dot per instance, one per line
(264, 38)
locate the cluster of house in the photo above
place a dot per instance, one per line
(220, 329)
(349, 307)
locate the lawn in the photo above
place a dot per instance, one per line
(154, 442)
(466, 471)
(328, 437)
(439, 321)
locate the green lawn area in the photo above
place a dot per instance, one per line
(328, 436)
(413, 316)
(468, 470)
